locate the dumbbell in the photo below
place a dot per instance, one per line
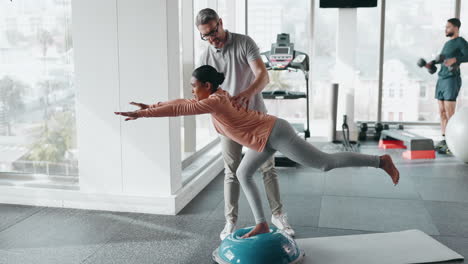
(362, 133)
(378, 130)
(422, 63)
(441, 59)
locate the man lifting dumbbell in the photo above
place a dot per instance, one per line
(454, 52)
(431, 68)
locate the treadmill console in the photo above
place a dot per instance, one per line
(283, 56)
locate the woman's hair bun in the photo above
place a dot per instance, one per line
(220, 78)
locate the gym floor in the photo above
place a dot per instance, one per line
(432, 196)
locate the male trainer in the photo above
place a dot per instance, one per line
(455, 51)
(238, 57)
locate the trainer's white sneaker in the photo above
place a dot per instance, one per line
(228, 229)
(281, 222)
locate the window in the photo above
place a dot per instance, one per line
(413, 29)
(390, 116)
(391, 92)
(400, 116)
(205, 130)
(37, 93)
(422, 91)
(290, 16)
(223, 12)
(323, 64)
(367, 64)
(264, 24)
(199, 45)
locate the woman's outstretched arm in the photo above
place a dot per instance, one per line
(180, 108)
(175, 101)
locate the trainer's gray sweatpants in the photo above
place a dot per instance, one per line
(283, 138)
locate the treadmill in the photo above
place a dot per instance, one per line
(282, 57)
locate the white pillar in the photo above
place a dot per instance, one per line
(346, 62)
(312, 22)
(190, 136)
(98, 94)
(174, 86)
(124, 51)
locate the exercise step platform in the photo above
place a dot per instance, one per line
(418, 147)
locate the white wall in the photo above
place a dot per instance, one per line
(122, 51)
(96, 65)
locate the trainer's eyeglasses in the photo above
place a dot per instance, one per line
(212, 33)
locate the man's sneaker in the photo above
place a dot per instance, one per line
(440, 145)
(281, 222)
(228, 229)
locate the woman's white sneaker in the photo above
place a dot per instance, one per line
(281, 222)
(228, 229)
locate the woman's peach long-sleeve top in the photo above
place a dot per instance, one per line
(247, 127)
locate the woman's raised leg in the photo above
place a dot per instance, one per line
(284, 139)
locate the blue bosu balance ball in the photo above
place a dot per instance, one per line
(275, 247)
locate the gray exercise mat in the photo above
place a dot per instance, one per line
(411, 246)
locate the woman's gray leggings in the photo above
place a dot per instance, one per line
(283, 138)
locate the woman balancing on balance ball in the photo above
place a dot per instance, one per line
(263, 134)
